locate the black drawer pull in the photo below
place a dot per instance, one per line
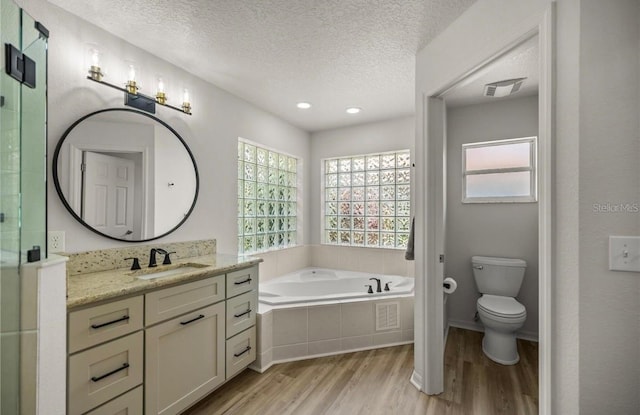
(99, 378)
(243, 282)
(242, 352)
(184, 323)
(242, 314)
(97, 326)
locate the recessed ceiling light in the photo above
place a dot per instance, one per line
(303, 105)
(353, 110)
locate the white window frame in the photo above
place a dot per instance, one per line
(533, 188)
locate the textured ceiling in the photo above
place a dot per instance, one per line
(274, 53)
(519, 62)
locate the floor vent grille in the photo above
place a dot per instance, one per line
(387, 316)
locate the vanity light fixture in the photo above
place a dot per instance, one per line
(303, 105)
(186, 104)
(353, 110)
(95, 73)
(132, 96)
(132, 88)
(161, 96)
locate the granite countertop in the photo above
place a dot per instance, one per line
(89, 288)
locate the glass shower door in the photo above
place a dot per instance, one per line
(22, 205)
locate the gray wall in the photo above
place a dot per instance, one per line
(609, 173)
(491, 229)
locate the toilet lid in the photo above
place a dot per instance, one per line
(501, 306)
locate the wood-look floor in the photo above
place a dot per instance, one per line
(377, 382)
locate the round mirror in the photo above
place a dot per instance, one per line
(125, 175)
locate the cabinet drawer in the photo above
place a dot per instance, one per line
(185, 360)
(241, 281)
(241, 351)
(241, 312)
(171, 302)
(128, 404)
(104, 372)
(102, 323)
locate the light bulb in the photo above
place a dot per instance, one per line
(92, 60)
(95, 57)
(132, 73)
(161, 97)
(186, 105)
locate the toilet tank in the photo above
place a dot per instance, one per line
(498, 276)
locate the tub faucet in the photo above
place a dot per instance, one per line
(379, 286)
(152, 256)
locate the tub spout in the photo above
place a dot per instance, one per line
(379, 286)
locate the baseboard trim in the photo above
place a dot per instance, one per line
(416, 380)
(467, 325)
(314, 356)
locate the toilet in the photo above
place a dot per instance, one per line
(499, 281)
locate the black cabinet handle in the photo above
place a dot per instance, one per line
(242, 282)
(99, 378)
(97, 326)
(184, 323)
(242, 352)
(242, 314)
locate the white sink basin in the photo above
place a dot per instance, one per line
(182, 269)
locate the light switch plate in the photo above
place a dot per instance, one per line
(624, 253)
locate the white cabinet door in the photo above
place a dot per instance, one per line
(185, 360)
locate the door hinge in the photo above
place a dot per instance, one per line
(441, 258)
(83, 166)
(19, 66)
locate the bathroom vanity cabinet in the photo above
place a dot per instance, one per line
(163, 350)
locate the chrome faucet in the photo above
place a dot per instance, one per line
(152, 256)
(379, 286)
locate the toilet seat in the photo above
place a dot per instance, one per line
(502, 307)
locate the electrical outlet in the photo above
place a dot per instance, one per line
(55, 242)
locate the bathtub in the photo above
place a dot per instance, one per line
(318, 312)
(310, 285)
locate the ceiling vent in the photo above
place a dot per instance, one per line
(503, 88)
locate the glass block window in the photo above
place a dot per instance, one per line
(267, 199)
(367, 200)
(499, 171)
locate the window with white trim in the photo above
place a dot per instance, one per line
(267, 199)
(366, 200)
(499, 171)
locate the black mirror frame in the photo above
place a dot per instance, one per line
(56, 180)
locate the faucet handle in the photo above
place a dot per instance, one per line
(386, 287)
(135, 265)
(167, 259)
(370, 291)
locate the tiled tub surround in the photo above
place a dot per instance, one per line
(313, 285)
(303, 331)
(348, 258)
